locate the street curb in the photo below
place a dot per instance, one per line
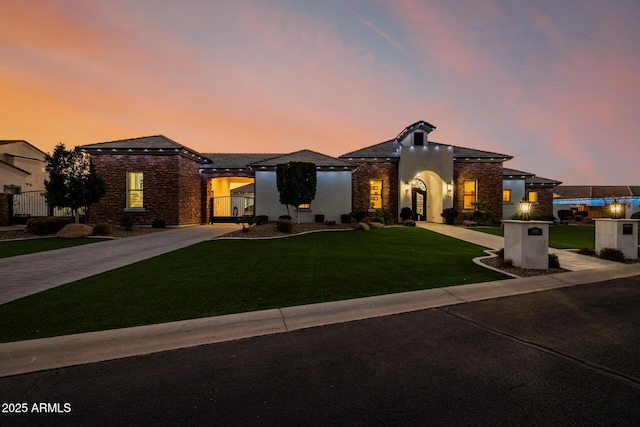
(57, 352)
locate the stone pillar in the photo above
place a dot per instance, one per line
(526, 243)
(618, 234)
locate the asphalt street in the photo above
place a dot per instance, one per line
(563, 357)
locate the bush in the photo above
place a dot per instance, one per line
(587, 251)
(158, 223)
(330, 222)
(565, 213)
(406, 213)
(577, 218)
(507, 263)
(102, 229)
(285, 217)
(47, 225)
(345, 218)
(635, 215)
(126, 222)
(359, 215)
(612, 254)
(377, 219)
(500, 253)
(385, 215)
(554, 262)
(319, 218)
(285, 226)
(261, 219)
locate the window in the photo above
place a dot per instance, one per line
(506, 195)
(135, 190)
(418, 138)
(470, 194)
(304, 206)
(533, 196)
(375, 194)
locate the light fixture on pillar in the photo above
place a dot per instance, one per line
(525, 209)
(449, 189)
(616, 209)
(407, 186)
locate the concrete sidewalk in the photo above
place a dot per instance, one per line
(50, 353)
(29, 274)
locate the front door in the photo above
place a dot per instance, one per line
(419, 203)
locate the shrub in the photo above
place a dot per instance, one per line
(48, 225)
(377, 219)
(587, 251)
(507, 263)
(635, 215)
(565, 213)
(285, 226)
(319, 218)
(345, 218)
(612, 254)
(449, 215)
(385, 215)
(102, 229)
(126, 222)
(359, 215)
(406, 213)
(554, 262)
(577, 218)
(500, 253)
(285, 217)
(261, 219)
(330, 222)
(158, 223)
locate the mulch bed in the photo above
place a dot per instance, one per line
(520, 272)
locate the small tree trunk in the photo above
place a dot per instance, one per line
(77, 216)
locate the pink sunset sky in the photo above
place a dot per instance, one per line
(554, 83)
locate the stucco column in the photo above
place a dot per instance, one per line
(527, 243)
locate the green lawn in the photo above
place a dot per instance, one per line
(21, 247)
(229, 276)
(561, 236)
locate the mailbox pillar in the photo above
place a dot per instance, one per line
(526, 243)
(618, 234)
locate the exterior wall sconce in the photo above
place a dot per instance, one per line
(449, 189)
(616, 209)
(407, 186)
(525, 209)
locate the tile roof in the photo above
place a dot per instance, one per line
(506, 172)
(17, 141)
(236, 160)
(155, 142)
(389, 149)
(306, 156)
(538, 180)
(595, 192)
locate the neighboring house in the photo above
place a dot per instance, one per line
(519, 185)
(21, 167)
(594, 199)
(155, 177)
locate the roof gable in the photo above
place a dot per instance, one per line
(156, 144)
(321, 160)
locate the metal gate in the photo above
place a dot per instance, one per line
(29, 204)
(227, 208)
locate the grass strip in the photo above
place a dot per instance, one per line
(560, 236)
(30, 246)
(230, 276)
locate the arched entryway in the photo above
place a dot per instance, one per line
(419, 200)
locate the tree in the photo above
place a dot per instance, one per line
(73, 182)
(297, 183)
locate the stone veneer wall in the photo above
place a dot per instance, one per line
(544, 206)
(489, 178)
(172, 189)
(4, 208)
(366, 171)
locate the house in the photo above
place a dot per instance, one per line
(518, 185)
(21, 167)
(156, 177)
(593, 200)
